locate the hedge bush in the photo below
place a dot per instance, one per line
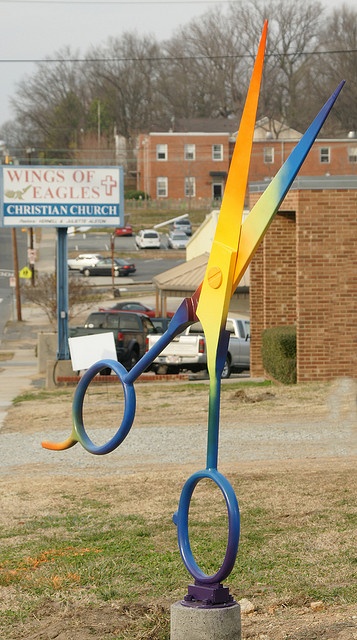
(133, 194)
(279, 353)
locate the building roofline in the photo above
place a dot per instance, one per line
(189, 133)
(306, 183)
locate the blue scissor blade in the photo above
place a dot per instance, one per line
(182, 318)
(261, 215)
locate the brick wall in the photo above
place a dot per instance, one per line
(306, 272)
(339, 160)
(327, 291)
(273, 283)
(176, 168)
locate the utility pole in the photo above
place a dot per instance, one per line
(16, 273)
(29, 152)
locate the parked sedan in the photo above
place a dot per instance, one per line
(177, 240)
(104, 268)
(127, 230)
(183, 225)
(83, 260)
(137, 307)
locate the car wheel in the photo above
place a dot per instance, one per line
(161, 370)
(132, 359)
(86, 272)
(226, 369)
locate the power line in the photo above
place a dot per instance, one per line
(116, 2)
(170, 59)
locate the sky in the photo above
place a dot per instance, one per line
(35, 29)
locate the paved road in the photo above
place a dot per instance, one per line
(146, 268)
(97, 242)
(7, 266)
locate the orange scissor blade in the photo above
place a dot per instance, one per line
(216, 292)
(230, 217)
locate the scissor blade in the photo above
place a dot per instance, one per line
(230, 217)
(261, 215)
(216, 291)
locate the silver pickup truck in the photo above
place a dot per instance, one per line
(188, 350)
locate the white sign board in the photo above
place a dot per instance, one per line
(61, 196)
(87, 350)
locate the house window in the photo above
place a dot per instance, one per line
(217, 152)
(190, 187)
(161, 152)
(161, 187)
(352, 154)
(268, 155)
(190, 151)
(325, 154)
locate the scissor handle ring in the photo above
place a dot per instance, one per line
(181, 520)
(129, 408)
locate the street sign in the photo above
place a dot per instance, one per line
(31, 255)
(26, 272)
(61, 196)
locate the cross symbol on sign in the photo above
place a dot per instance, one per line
(109, 183)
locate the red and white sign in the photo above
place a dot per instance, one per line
(62, 196)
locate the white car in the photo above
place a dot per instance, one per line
(83, 260)
(148, 239)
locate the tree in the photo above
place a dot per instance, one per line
(44, 295)
(293, 36)
(205, 70)
(340, 36)
(51, 104)
(122, 75)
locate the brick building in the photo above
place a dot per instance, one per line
(183, 165)
(305, 273)
(193, 161)
(335, 157)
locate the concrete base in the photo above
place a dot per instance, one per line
(56, 368)
(217, 623)
(46, 349)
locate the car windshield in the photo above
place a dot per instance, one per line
(150, 234)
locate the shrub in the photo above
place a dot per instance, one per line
(132, 194)
(279, 353)
(44, 294)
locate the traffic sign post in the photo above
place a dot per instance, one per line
(25, 273)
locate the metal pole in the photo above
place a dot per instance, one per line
(62, 295)
(112, 257)
(29, 152)
(16, 273)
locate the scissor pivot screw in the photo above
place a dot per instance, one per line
(214, 277)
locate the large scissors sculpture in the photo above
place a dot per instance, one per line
(234, 244)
